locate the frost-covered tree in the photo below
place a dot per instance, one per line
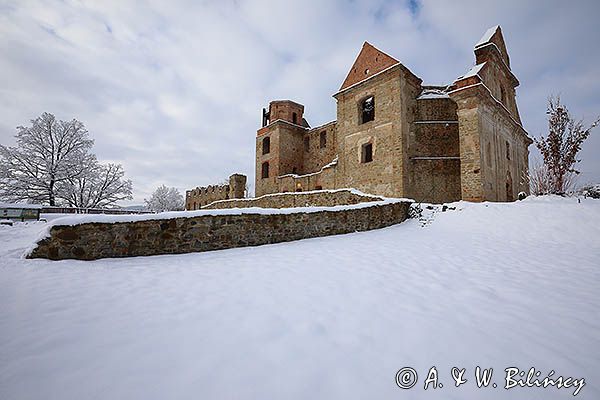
(165, 199)
(559, 149)
(52, 164)
(101, 185)
(48, 153)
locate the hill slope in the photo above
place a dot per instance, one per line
(491, 285)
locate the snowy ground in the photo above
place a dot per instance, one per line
(490, 285)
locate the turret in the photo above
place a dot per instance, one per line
(285, 110)
(279, 144)
(237, 186)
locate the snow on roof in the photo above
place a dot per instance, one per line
(487, 36)
(21, 205)
(432, 94)
(366, 79)
(474, 71)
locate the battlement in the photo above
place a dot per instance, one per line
(201, 196)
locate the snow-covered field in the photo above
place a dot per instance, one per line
(490, 285)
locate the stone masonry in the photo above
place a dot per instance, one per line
(211, 230)
(320, 198)
(396, 137)
(201, 196)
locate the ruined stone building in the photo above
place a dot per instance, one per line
(202, 196)
(396, 137)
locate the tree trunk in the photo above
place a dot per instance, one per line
(51, 196)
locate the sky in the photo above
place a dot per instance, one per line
(174, 90)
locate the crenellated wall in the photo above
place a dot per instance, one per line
(201, 196)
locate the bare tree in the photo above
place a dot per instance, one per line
(541, 181)
(48, 153)
(165, 199)
(101, 185)
(52, 164)
(559, 150)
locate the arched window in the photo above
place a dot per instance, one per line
(367, 110)
(295, 118)
(265, 170)
(307, 143)
(266, 145)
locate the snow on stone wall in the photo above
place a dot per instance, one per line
(211, 230)
(317, 198)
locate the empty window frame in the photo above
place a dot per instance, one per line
(323, 140)
(366, 153)
(367, 110)
(266, 145)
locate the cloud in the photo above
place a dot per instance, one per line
(173, 91)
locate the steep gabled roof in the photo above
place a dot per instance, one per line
(369, 61)
(494, 37)
(487, 36)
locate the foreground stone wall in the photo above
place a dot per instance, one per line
(320, 198)
(89, 241)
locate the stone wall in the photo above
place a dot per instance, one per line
(285, 155)
(431, 143)
(326, 178)
(293, 150)
(321, 198)
(434, 152)
(394, 92)
(316, 153)
(201, 196)
(493, 147)
(211, 230)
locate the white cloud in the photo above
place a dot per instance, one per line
(174, 90)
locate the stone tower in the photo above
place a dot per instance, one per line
(237, 186)
(279, 144)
